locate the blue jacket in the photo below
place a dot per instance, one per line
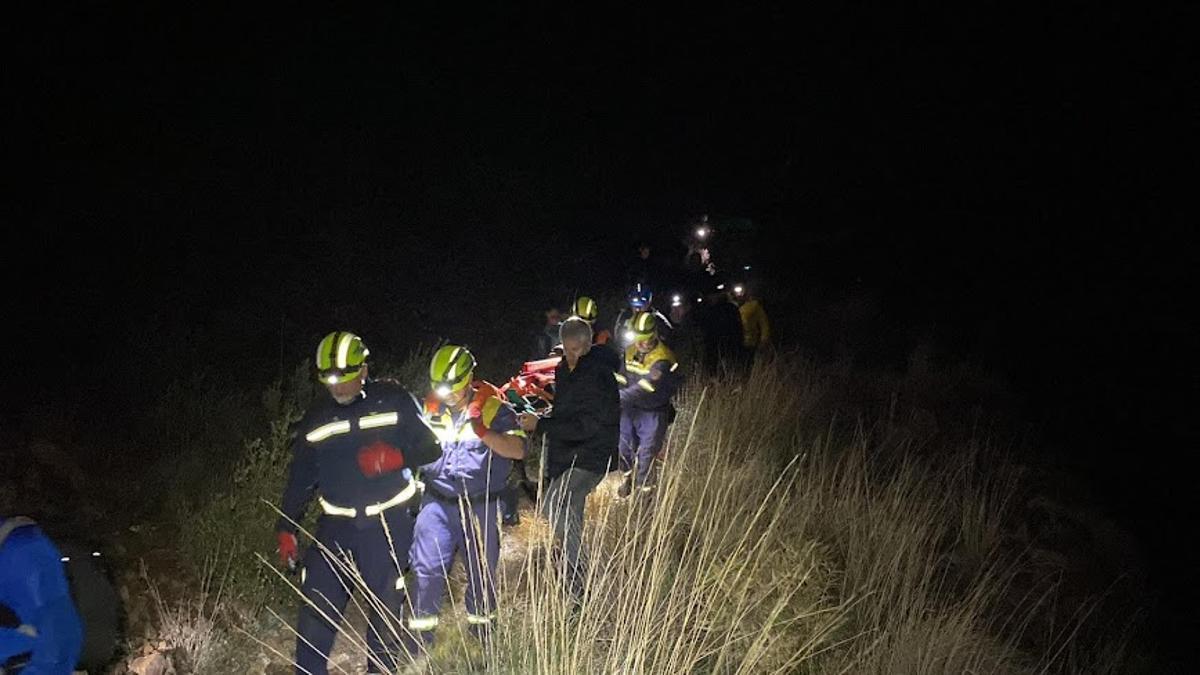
(34, 593)
(467, 466)
(357, 455)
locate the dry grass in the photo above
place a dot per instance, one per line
(779, 541)
(190, 629)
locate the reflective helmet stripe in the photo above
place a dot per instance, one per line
(343, 349)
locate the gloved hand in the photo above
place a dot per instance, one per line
(287, 548)
(475, 414)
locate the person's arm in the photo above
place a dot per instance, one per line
(51, 612)
(654, 390)
(502, 434)
(301, 482)
(418, 442)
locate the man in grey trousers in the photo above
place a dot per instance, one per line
(581, 434)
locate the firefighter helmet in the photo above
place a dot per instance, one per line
(584, 308)
(642, 325)
(450, 370)
(340, 357)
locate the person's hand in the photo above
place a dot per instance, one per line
(475, 415)
(528, 422)
(287, 548)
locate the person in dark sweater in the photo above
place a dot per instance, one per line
(581, 432)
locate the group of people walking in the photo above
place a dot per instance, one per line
(406, 485)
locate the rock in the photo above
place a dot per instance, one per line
(152, 664)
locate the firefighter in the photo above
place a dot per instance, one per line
(358, 449)
(586, 309)
(648, 378)
(603, 348)
(460, 508)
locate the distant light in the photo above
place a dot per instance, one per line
(720, 287)
(95, 554)
(746, 267)
(699, 299)
(65, 558)
(738, 289)
(676, 300)
(701, 232)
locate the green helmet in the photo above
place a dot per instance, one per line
(450, 370)
(642, 325)
(340, 357)
(584, 308)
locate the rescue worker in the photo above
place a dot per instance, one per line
(40, 630)
(640, 299)
(603, 349)
(648, 378)
(581, 432)
(459, 510)
(586, 309)
(756, 328)
(358, 448)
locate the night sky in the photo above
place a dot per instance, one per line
(191, 188)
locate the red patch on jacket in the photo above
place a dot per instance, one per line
(379, 458)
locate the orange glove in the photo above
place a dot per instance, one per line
(287, 548)
(475, 414)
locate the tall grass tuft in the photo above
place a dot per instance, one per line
(782, 540)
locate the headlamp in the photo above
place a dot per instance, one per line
(443, 390)
(338, 375)
(701, 232)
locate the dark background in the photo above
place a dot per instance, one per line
(197, 191)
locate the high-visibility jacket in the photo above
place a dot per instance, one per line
(756, 329)
(468, 467)
(648, 381)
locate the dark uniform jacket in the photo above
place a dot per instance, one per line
(359, 456)
(582, 429)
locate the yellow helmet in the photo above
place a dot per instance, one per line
(643, 326)
(340, 357)
(584, 308)
(450, 370)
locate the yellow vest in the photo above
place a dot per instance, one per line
(756, 329)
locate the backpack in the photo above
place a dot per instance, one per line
(95, 597)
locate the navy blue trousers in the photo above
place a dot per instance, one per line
(642, 434)
(362, 543)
